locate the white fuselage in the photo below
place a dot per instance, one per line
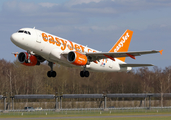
(52, 47)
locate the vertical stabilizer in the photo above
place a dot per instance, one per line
(122, 44)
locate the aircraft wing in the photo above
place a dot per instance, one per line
(112, 55)
(135, 65)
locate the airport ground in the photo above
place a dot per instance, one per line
(87, 115)
(104, 116)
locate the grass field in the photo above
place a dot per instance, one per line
(166, 115)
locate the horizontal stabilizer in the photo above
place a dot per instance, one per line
(135, 65)
(15, 54)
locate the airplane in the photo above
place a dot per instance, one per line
(41, 46)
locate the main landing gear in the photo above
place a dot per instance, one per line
(84, 73)
(51, 73)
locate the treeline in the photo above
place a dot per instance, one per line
(16, 79)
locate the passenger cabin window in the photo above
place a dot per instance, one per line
(26, 32)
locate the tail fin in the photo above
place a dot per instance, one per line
(122, 44)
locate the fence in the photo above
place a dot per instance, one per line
(102, 103)
(89, 104)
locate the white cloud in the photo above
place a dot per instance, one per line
(79, 2)
(48, 5)
(107, 10)
(85, 8)
(20, 6)
(96, 28)
(144, 3)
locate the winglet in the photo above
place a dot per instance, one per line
(161, 52)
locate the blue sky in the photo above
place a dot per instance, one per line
(96, 23)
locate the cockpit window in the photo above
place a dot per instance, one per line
(20, 31)
(26, 32)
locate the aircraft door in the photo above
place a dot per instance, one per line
(111, 64)
(38, 37)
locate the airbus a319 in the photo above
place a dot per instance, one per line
(41, 46)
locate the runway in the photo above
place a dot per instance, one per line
(83, 117)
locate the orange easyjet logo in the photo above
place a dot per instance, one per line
(63, 44)
(121, 43)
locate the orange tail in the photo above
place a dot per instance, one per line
(122, 44)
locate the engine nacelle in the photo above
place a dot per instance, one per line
(23, 57)
(77, 58)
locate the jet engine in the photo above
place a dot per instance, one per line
(77, 58)
(28, 60)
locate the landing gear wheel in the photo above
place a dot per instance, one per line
(51, 74)
(84, 73)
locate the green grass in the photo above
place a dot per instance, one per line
(75, 114)
(134, 118)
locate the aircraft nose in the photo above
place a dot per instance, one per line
(14, 37)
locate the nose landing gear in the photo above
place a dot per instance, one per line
(51, 73)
